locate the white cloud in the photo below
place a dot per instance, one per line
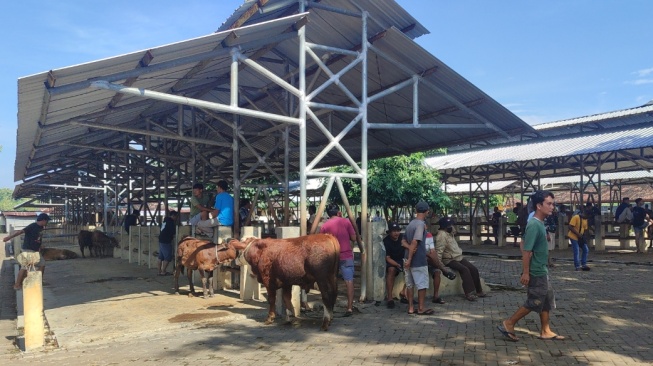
(644, 72)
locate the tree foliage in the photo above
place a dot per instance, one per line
(399, 181)
(7, 203)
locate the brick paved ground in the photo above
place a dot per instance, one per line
(605, 313)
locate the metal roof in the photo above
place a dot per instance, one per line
(631, 143)
(502, 186)
(68, 129)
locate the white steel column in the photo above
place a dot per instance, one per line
(365, 276)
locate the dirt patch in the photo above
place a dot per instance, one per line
(189, 318)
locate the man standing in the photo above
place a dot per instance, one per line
(535, 272)
(415, 264)
(31, 244)
(168, 231)
(344, 231)
(640, 223)
(496, 221)
(578, 232)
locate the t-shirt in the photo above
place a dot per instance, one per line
(447, 247)
(343, 230)
(579, 224)
(429, 243)
(204, 200)
(168, 231)
(639, 215)
(244, 212)
(416, 230)
(496, 218)
(511, 217)
(225, 204)
(393, 249)
(130, 220)
(32, 240)
(620, 209)
(535, 241)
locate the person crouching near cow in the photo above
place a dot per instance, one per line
(344, 231)
(452, 257)
(416, 270)
(223, 210)
(394, 259)
(168, 231)
(31, 244)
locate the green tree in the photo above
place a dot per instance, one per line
(7, 203)
(395, 182)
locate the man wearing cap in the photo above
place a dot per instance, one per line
(394, 258)
(31, 244)
(344, 231)
(415, 264)
(452, 257)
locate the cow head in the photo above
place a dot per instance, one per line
(240, 247)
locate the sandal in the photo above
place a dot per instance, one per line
(438, 300)
(470, 297)
(403, 299)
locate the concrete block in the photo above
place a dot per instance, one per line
(447, 287)
(250, 231)
(33, 310)
(224, 233)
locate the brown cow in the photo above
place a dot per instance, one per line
(202, 255)
(302, 261)
(85, 239)
(102, 243)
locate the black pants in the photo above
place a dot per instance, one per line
(469, 275)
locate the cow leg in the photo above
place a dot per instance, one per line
(329, 291)
(177, 273)
(189, 274)
(204, 280)
(210, 275)
(272, 297)
(287, 301)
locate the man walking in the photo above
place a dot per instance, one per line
(168, 231)
(344, 231)
(535, 272)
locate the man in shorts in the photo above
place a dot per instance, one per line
(535, 273)
(29, 254)
(415, 265)
(168, 231)
(344, 231)
(394, 259)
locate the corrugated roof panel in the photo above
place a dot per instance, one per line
(585, 144)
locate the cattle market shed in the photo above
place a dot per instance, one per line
(585, 152)
(283, 89)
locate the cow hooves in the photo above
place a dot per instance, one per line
(190, 294)
(176, 292)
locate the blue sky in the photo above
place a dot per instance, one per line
(545, 61)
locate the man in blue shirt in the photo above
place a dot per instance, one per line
(223, 210)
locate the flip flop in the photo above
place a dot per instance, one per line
(411, 313)
(554, 338)
(510, 336)
(391, 304)
(439, 300)
(426, 312)
(348, 313)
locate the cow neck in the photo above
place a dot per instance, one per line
(216, 251)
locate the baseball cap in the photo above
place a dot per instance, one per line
(43, 216)
(394, 227)
(422, 206)
(445, 222)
